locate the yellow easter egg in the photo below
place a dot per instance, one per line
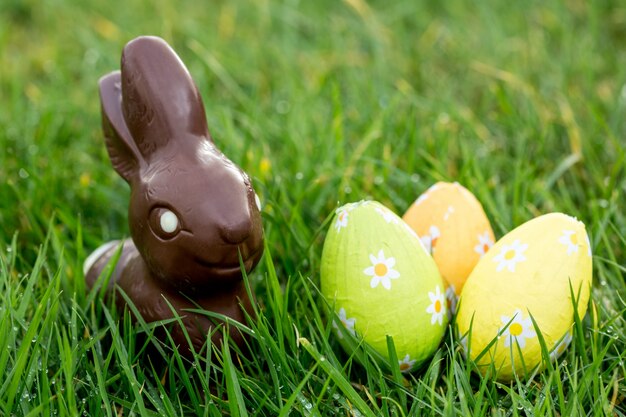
(381, 282)
(530, 272)
(453, 225)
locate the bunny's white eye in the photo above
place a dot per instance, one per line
(168, 221)
(164, 223)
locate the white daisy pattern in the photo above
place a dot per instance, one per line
(406, 364)
(437, 308)
(484, 244)
(451, 300)
(421, 199)
(412, 233)
(424, 196)
(449, 212)
(381, 271)
(559, 349)
(430, 239)
(569, 238)
(516, 329)
(387, 214)
(342, 219)
(348, 323)
(510, 256)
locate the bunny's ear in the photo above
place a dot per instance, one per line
(160, 100)
(122, 149)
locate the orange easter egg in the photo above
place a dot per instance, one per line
(451, 223)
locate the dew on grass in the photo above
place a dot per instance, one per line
(299, 175)
(23, 173)
(443, 119)
(283, 107)
(91, 56)
(347, 189)
(415, 178)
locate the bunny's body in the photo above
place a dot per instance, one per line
(149, 297)
(192, 213)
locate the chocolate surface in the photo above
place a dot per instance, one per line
(192, 212)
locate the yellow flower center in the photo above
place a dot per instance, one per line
(380, 269)
(486, 247)
(510, 254)
(437, 306)
(404, 366)
(573, 238)
(342, 216)
(515, 329)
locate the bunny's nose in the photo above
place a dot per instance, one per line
(235, 234)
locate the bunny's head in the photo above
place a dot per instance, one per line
(192, 211)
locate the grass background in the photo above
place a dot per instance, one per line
(321, 103)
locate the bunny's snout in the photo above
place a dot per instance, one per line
(237, 233)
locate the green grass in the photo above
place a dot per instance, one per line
(321, 103)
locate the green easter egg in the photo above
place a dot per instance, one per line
(382, 282)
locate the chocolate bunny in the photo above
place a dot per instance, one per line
(192, 211)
